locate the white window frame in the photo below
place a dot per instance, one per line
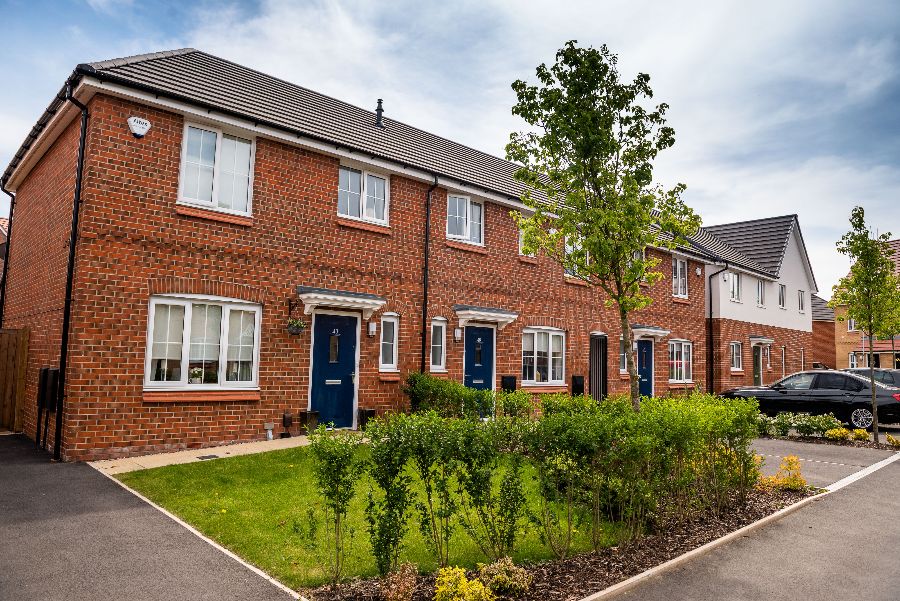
(737, 346)
(213, 205)
(187, 301)
(735, 286)
(394, 364)
(687, 350)
(364, 187)
(760, 292)
(801, 301)
(522, 252)
(852, 361)
(677, 280)
(851, 325)
(467, 237)
(623, 359)
(438, 322)
(552, 332)
(782, 296)
(569, 248)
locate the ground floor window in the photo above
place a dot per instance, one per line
(623, 361)
(680, 361)
(543, 356)
(438, 345)
(202, 343)
(853, 362)
(736, 360)
(389, 331)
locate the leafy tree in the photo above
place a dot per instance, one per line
(868, 290)
(587, 165)
(891, 325)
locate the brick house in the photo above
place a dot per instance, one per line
(761, 319)
(824, 351)
(250, 201)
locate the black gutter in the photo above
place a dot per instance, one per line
(70, 274)
(425, 271)
(710, 363)
(12, 208)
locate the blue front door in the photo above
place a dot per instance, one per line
(334, 368)
(479, 366)
(645, 367)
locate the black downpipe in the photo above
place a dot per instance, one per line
(70, 275)
(710, 363)
(12, 208)
(425, 272)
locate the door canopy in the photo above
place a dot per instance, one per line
(339, 299)
(471, 313)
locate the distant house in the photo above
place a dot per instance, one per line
(852, 346)
(824, 351)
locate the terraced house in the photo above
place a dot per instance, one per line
(214, 203)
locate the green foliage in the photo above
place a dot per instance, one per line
(448, 398)
(589, 151)
(452, 585)
(804, 423)
(783, 423)
(336, 471)
(505, 578)
(517, 403)
(386, 514)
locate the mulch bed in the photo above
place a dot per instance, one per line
(576, 577)
(863, 444)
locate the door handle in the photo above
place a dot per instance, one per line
(353, 376)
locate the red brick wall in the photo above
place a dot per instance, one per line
(38, 257)
(824, 347)
(135, 243)
(796, 345)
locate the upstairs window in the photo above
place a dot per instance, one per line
(801, 301)
(735, 280)
(362, 196)
(522, 245)
(851, 325)
(197, 343)
(573, 247)
(543, 357)
(216, 170)
(679, 278)
(760, 293)
(465, 219)
(782, 295)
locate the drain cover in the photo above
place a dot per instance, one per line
(202, 457)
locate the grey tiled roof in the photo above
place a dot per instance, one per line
(820, 309)
(210, 81)
(762, 240)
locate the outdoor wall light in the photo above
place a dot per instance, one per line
(372, 326)
(457, 334)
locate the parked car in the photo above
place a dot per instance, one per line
(848, 396)
(891, 377)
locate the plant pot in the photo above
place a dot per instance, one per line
(295, 330)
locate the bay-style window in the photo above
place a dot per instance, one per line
(465, 219)
(679, 278)
(439, 344)
(680, 361)
(216, 170)
(390, 325)
(363, 195)
(201, 343)
(543, 356)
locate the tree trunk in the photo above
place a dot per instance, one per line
(872, 384)
(628, 340)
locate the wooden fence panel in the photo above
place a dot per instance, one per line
(13, 358)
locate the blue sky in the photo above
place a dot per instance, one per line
(778, 107)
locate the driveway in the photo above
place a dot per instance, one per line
(68, 533)
(842, 546)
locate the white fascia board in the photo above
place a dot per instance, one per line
(335, 150)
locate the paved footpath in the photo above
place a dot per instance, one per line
(69, 533)
(842, 546)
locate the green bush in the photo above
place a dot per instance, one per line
(505, 578)
(448, 398)
(517, 403)
(783, 423)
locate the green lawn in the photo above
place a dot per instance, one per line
(257, 506)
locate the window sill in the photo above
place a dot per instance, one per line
(681, 300)
(364, 225)
(544, 388)
(200, 396)
(527, 259)
(212, 215)
(739, 302)
(681, 384)
(575, 281)
(467, 246)
(624, 375)
(736, 372)
(389, 376)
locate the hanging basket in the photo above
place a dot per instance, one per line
(295, 327)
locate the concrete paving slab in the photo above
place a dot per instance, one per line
(143, 462)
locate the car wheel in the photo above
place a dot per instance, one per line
(861, 417)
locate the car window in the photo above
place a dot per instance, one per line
(853, 384)
(885, 377)
(798, 382)
(831, 381)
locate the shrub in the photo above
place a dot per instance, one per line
(386, 515)
(804, 424)
(783, 423)
(765, 425)
(894, 442)
(552, 404)
(336, 471)
(400, 584)
(517, 403)
(860, 434)
(452, 585)
(788, 477)
(838, 434)
(824, 423)
(447, 397)
(505, 578)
